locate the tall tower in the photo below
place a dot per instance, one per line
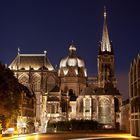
(105, 58)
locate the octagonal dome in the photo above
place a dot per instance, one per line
(72, 59)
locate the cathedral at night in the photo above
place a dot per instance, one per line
(68, 92)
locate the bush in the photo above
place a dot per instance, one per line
(84, 124)
(72, 125)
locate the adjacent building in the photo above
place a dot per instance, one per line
(69, 93)
(125, 116)
(134, 94)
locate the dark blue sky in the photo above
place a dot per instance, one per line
(51, 25)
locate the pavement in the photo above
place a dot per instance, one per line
(16, 136)
(73, 136)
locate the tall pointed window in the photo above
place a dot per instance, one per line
(104, 111)
(24, 79)
(36, 82)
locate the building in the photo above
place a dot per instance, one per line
(35, 72)
(105, 60)
(134, 94)
(125, 116)
(27, 111)
(69, 93)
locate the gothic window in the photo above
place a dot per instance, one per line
(50, 83)
(94, 105)
(36, 80)
(81, 105)
(24, 79)
(53, 108)
(104, 111)
(87, 105)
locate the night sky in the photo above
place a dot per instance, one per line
(51, 25)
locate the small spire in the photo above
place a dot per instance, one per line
(105, 12)
(105, 43)
(18, 50)
(72, 46)
(45, 52)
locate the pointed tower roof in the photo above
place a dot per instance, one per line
(105, 45)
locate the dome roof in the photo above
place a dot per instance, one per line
(72, 60)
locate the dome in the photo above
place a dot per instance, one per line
(72, 60)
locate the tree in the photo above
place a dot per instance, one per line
(10, 90)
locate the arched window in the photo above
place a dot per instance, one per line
(24, 79)
(94, 105)
(104, 110)
(81, 106)
(36, 80)
(87, 105)
(50, 83)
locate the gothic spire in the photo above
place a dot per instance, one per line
(105, 43)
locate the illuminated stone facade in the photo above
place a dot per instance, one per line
(105, 60)
(125, 116)
(36, 72)
(72, 73)
(69, 93)
(134, 93)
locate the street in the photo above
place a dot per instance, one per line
(74, 136)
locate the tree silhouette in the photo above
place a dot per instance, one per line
(10, 90)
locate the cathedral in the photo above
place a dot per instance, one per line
(68, 92)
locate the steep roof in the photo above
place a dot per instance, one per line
(34, 61)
